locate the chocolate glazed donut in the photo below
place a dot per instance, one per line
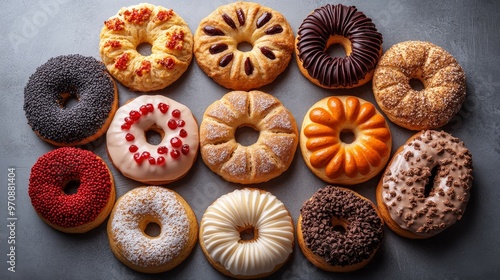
(338, 24)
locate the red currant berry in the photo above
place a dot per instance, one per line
(144, 110)
(125, 126)
(129, 137)
(176, 142)
(129, 120)
(185, 149)
(183, 133)
(181, 123)
(145, 155)
(133, 148)
(152, 160)
(176, 113)
(172, 124)
(163, 107)
(175, 154)
(160, 160)
(150, 107)
(134, 115)
(162, 150)
(138, 158)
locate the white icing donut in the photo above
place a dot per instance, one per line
(130, 216)
(244, 209)
(137, 159)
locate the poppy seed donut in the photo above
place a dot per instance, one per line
(70, 76)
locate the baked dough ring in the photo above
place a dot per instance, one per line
(441, 75)
(334, 161)
(171, 46)
(270, 156)
(218, 35)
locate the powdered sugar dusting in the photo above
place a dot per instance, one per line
(132, 209)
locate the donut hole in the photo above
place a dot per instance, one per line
(154, 135)
(71, 187)
(347, 136)
(247, 234)
(244, 46)
(428, 189)
(336, 50)
(246, 135)
(68, 100)
(416, 84)
(150, 226)
(144, 49)
(338, 46)
(339, 225)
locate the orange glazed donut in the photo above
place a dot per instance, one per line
(78, 212)
(335, 161)
(441, 75)
(171, 46)
(401, 194)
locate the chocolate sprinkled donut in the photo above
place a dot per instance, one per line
(331, 249)
(75, 76)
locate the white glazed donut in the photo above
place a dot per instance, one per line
(130, 217)
(240, 211)
(139, 160)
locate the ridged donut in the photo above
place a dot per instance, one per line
(218, 35)
(171, 46)
(441, 75)
(335, 161)
(267, 158)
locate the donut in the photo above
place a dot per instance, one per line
(132, 244)
(247, 234)
(339, 230)
(335, 160)
(70, 77)
(412, 203)
(135, 157)
(344, 25)
(171, 46)
(217, 52)
(440, 74)
(262, 161)
(78, 212)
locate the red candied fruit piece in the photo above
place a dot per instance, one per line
(144, 110)
(160, 160)
(175, 40)
(129, 120)
(176, 113)
(176, 142)
(164, 15)
(183, 133)
(152, 160)
(166, 62)
(133, 148)
(122, 62)
(145, 67)
(129, 137)
(181, 123)
(138, 158)
(113, 44)
(134, 115)
(150, 107)
(172, 124)
(163, 107)
(175, 154)
(138, 16)
(114, 24)
(145, 155)
(125, 126)
(162, 150)
(185, 149)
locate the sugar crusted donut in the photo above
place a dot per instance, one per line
(344, 25)
(267, 158)
(71, 213)
(331, 249)
(270, 228)
(441, 75)
(171, 46)
(218, 35)
(139, 160)
(401, 194)
(335, 161)
(70, 76)
(134, 247)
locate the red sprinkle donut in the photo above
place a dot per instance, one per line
(78, 212)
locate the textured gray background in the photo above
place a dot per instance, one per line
(33, 32)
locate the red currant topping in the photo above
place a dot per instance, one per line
(172, 124)
(181, 123)
(152, 160)
(129, 120)
(185, 149)
(129, 137)
(162, 150)
(163, 107)
(183, 133)
(144, 110)
(134, 115)
(176, 142)
(145, 155)
(125, 126)
(138, 158)
(133, 148)
(150, 107)
(160, 160)
(176, 113)
(175, 154)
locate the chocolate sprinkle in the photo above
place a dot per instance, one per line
(84, 78)
(363, 234)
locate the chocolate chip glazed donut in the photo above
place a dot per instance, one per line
(171, 46)
(441, 75)
(218, 35)
(344, 25)
(403, 201)
(264, 160)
